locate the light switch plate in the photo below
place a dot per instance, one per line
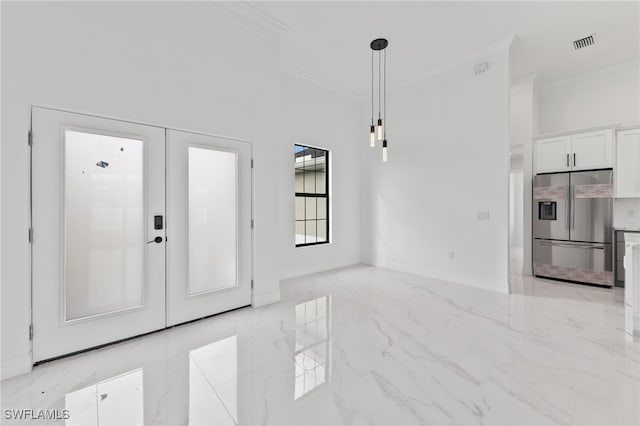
(483, 216)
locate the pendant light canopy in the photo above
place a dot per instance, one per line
(379, 131)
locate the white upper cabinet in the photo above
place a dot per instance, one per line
(593, 150)
(627, 170)
(581, 151)
(552, 155)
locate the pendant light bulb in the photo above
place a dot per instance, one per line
(380, 130)
(384, 150)
(373, 135)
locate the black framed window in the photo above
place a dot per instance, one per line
(312, 195)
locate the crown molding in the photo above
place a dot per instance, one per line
(613, 126)
(260, 16)
(591, 74)
(315, 80)
(443, 71)
(430, 77)
(247, 16)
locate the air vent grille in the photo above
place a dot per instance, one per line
(584, 42)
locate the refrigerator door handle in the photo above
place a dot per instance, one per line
(567, 221)
(567, 159)
(574, 245)
(572, 195)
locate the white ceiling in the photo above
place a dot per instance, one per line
(330, 40)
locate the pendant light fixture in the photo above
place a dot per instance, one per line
(379, 131)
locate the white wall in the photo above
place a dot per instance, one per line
(516, 214)
(521, 112)
(524, 124)
(626, 213)
(448, 160)
(315, 116)
(169, 63)
(602, 97)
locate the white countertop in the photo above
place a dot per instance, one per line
(626, 228)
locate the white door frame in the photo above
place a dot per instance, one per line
(108, 117)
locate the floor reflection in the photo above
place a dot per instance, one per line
(327, 360)
(313, 345)
(115, 401)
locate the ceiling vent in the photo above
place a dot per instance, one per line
(584, 42)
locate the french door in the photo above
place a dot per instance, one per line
(102, 238)
(209, 225)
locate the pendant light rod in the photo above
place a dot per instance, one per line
(372, 87)
(384, 115)
(379, 85)
(372, 129)
(380, 96)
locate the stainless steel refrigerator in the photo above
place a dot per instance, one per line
(572, 226)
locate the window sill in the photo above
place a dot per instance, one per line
(324, 243)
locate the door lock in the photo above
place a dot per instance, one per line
(156, 240)
(157, 222)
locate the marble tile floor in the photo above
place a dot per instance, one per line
(363, 345)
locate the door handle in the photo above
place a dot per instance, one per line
(156, 240)
(572, 192)
(585, 247)
(571, 245)
(574, 158)
(567, 159)
(567, 221)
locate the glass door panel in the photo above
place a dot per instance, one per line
(104, 223)
(213, 235)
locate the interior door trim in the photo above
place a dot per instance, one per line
(142, 123)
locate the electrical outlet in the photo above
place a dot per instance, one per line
(451, 255)
(483, 216)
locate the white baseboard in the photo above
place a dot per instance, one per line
(16, 366)
(266, 298)
(444, 276)
(323, 268)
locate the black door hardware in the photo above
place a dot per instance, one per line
(157, 222)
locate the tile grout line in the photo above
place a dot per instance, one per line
(235, 421)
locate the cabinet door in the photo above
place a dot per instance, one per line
(593, 150)
(628, 163)
(552, 155)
